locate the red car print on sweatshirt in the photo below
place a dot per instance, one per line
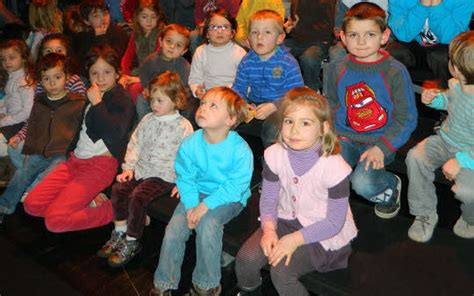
(364, 113)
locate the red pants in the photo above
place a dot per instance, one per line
(63, 196)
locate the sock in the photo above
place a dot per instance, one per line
(130, 238)
(121, 228)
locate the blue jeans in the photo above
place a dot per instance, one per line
(367, 183)
(24, 177)
(209, 232)
(15, 155)
(142, 107)
(309, 55)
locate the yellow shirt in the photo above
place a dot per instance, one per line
(247, 8)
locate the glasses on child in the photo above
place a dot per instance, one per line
(221, 27)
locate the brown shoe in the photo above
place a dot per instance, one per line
(111, 245)
(197, 291)
(157, 292)
(126, 250)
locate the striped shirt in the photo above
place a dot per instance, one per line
(260, 81)
(458, 128)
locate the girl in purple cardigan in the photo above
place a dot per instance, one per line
(306, 222)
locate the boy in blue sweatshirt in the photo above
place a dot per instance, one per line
(213, 171)
(374, 103)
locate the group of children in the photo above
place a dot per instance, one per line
(73, 140)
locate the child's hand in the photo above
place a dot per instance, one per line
(200, 91)
(175, 192)
(94, 94)
(373, 156)
(451, 169)
(146, 93)
(285, 247)
(268, 241)
(126, 80)
(3, 115)
(14, 141)
(194, 215)
(125, 176)
(428, 95)
(264, 110)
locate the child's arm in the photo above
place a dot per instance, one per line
(241, 83)
(186, 176)
(446, 21)
(134, 146)
(196, 77)
(128, 56)
(407, 18)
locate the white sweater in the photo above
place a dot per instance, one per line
(152, 149)
(215, 66)
(18, 99)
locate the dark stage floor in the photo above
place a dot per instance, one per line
(384, 262)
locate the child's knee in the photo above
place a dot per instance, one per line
(281, 277)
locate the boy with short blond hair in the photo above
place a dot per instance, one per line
(213, 171)
(265, 74)
(375, 112)
(451, 148)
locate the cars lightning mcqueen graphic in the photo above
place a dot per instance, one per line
(364, 113)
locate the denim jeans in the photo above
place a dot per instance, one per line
(142, 107)
(209, 232)
(33, 166)
(15, 155)
(367, 183)
(309, 55)
(422, 161)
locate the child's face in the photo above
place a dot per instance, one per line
(212, 114)
(147, 19)
(173, 45)
(161, 104)
(220, 31)
(54, 45)
(363, 39)
(301, 129)
(264, 37)
(11, 60)
(103, 74)
(53, 81)
(99, 19)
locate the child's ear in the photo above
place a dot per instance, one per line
(385, 36)
(231, 120)
(281, 37)
(184, 51)
(325, 127)
(342, 34)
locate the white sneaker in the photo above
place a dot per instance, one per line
(462, 229)
(422, 228)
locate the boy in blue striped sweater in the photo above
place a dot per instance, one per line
(265, 74)
(452, 148)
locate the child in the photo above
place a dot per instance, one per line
(63, 196)
(375, 113)
(19, 90)
(247, 9)
(174, 42)
(215, 64)
(311, 223)
(213, 172)
(147, 23)
(53, 43)
(451, 148)
(148, 171)
(269, 70)
(95, 14)
(55, 118)
(45, 18)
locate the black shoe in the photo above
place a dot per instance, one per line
(124, 253)
(111, 245)
(389, 209)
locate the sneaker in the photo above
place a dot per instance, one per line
(157, 292)
(422, 228)
(391, 206)
(125, 252)
(462, 229)
(196, 291)
(111, 245)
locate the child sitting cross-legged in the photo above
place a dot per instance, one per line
(213, 172)
(148, 171)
